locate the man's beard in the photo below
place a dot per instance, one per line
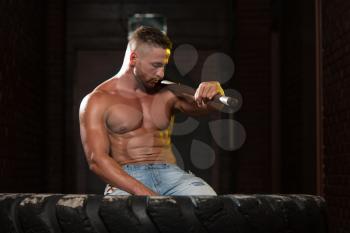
(151, 86)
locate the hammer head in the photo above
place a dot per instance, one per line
(167, 82)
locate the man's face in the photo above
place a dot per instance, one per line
(150, 65)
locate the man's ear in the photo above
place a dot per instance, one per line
(133, 57)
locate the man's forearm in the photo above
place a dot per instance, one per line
(112, 173)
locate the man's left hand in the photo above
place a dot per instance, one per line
(206, 91)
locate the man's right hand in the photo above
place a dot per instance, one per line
(146, 192)
(151, 193)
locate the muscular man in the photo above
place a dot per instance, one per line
(125, 123)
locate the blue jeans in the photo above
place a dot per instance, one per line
(165, 179)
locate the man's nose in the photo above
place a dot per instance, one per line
(160, 73)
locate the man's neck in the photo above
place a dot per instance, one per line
(128, 81)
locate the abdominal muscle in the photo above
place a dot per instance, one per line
(142, 146)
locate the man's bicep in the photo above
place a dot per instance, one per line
(95, 140)
(189, 106)
(93, 132)
(183, 105)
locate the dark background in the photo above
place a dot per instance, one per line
(292, 67)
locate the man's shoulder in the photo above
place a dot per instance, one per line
(95, 100)
(96, 96)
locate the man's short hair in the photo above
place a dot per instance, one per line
(152, 36)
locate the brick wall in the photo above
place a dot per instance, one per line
(336, 75)
(21, 96)
(298, 93)
(57, 176)
(291, 84)
(275, 61)
(252, 78)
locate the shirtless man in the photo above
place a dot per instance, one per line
(125, 123)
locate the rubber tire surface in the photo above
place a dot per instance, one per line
(57, 213)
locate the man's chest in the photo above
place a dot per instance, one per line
(149, 112)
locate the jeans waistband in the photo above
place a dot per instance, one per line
(131, 167)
